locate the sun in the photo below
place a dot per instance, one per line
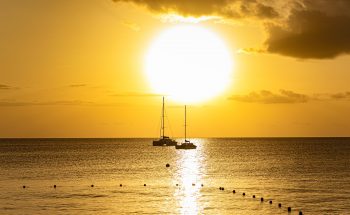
(189, 63)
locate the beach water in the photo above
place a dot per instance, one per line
(307, 174)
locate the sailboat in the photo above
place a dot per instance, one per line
(164, 140)
(187, 144)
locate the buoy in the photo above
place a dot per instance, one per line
(54, 186)
(279, 205)
(24, 186)
(270, 201)
(253, 196)
(202, 185)
(144, 185)
(92, 185)
(300, 213)
(167, 165)
(177, 184)
(120, 185)
(262, 199)
(289, 209)
(233, 191)
(222, 188)
(243, 194)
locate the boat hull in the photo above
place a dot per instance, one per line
(186, 146)
(164, 142)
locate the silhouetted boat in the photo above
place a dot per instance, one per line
(164, 140)
(187, 144)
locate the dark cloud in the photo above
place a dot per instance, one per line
(303, 29)
(259, 10)
(268, 97)
(266, 11)
(310, 34)
(197, 8)
(329, 7)
(341, 96)
(193, 8)
(6, 87)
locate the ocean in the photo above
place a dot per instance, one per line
(129, 176)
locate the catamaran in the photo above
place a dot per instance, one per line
(164, 140)
(187, 144)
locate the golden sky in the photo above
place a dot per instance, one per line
(76, 68)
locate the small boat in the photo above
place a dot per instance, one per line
(164, 140)
(187, 144)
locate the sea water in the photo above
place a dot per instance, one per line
(130, 176)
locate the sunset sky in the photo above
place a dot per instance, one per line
(77, 68)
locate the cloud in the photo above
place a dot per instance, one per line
(131, 25)
(311, 34)
(255, 9)
(198, 8)
(78, 85)
(7, 87)
(268, 97)
(341, 96)
(288, 97)
(136, 94)
(304, 29)
(186, 8)
(251, 51)
(15, 103)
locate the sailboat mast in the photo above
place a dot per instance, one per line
(163, 118)
(185, 124)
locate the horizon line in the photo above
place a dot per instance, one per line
(213, 137)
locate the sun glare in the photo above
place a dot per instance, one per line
(189, 63)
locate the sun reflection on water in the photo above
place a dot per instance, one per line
(189, 177)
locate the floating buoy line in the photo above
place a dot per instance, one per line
(289, 209)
